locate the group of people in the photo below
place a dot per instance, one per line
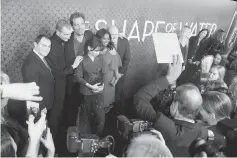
(79, 76)
(189, 101)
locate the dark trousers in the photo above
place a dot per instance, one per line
(91, 115)
(119, 96)
(72, 102)
(56, 111)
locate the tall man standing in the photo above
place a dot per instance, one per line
(75, 47)
(57, 61)
(36, 69)
(123, 48)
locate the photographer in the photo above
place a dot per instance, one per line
(182, 130)
(142, 98)
(15, 134)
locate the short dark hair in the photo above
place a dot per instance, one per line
(39, 37)
(94, 43)
(100, 34)
(207, 35)
(76, 15)
(61, 24)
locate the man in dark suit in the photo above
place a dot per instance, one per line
(123, 48)
(180, 130)
(36, 69)
(57, 62)
(74, 47)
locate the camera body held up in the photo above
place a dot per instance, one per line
(88, 143)
(129, 127)
(228, 128)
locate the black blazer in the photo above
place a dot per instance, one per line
(35, 70)
(123, 49)
(71, 55)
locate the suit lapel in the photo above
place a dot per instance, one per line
(42, 63)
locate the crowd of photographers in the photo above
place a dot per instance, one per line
(189, 111)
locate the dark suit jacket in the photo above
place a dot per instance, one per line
(35, 70)
(177, 134)
(123, 49)
(142, 98)
(71, 55)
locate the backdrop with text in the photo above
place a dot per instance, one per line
(23, 20)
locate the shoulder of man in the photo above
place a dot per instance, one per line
(89, 34)
(29, 58)
(123, 39)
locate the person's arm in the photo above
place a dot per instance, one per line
(21, 91)
(35, 131)
(51, 60)
(49, 144)
(143, 97)
(126, 59)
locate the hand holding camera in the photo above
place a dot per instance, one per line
(36, 129)
(48, 143)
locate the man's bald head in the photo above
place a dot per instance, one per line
(113, 30)
(189, 100)
(146, 145)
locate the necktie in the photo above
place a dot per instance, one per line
(45, 62)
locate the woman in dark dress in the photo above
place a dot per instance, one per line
(90, 74)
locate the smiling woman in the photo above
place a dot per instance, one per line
(112, 63)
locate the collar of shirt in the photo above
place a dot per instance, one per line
(91, 57)
(75, 37)
(41, 57)
(58, 38)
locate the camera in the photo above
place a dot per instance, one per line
(128, 127)
(162, 101)
(88, 143)
(228, 127)
(200, 145)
